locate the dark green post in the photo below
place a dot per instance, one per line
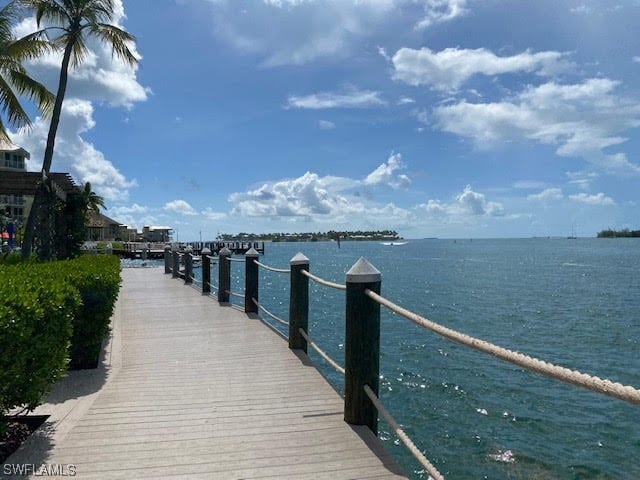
(188, 265)
(206, 270)
(251, 281)
(298, 302)
(167, 258)
(224, 275)
(176, 264)
(362, 345)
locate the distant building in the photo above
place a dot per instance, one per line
(18, 187)
(102, 228)
(156, 234)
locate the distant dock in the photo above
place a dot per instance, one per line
(147, 250)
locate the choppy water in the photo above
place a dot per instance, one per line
(572, 302)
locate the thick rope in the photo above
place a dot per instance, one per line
(236, 259)
(418, 455)
(277, 319)
(234, 294)
(213, 285)
(271, 269)
(321, 281)
(595, 384)
(326, 357)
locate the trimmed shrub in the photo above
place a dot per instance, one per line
(97, 279)
(36, 314)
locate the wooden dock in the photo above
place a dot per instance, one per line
(197, 390)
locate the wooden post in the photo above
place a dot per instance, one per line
(224, 275)
(176, 264)
(298, 302)
(206, 270)
(167, 258)
(362, 345)
(251, 275)
(188, 265)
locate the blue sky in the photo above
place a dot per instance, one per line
(436, 118)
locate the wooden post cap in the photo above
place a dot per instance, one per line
(299, 259)
(225, 252)
(188, 249)
(363, 272)
(205, 251)
(252, 252)
(167, 247)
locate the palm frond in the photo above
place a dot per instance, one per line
(29, 47)
(49, 10)
(10, 105)
(118, 39)
(34, 90)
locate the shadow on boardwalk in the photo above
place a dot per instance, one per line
(195, 390)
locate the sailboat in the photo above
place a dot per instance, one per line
(573, 233)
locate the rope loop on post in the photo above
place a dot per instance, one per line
(323, 282)
(606, 387)
(417, 454)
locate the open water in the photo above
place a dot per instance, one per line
(575, 303)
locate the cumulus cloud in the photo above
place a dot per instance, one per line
(212, 215)
(387, 174)
(547, 195)
(179, 206)
(448, 69)
(468, 203)
(351, 99)
(580, 119)
(599, 199)
(73, 154)
(302, 31)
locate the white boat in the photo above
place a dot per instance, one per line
(393, 244)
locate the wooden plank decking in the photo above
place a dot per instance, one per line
(203, 391)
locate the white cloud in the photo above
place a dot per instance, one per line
(636, 59)
(135, 208)
(547, 195)
(179, 206)
(406, 101)
(212, 215)
(466, 204)
(295, 32)
(351, 99)
(528, 184)
(73, 154)
(326, 125)
(386, 174)
(599, 199)
(580, 119)
(448, 69)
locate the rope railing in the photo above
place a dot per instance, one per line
(321, 352)
(593, 383)
(323, 282)
(269, 314)
(404, 438)
(213, 285)
(241, 260)
(272, 269)
(234, 294)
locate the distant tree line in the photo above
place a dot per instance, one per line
(609, 233)
(313, 236)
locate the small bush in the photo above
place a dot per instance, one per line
(36, 314)
(97, 279)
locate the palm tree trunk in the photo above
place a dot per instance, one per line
(37, 209)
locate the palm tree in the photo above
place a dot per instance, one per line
(92, 201)
(14, 79)
(77, 21)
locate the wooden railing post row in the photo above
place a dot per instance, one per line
(188, 265)
(167, 258)
(176, 263)
(298, 302)
(224, 275)
(206, 270)
(362, 345)
(251, 286)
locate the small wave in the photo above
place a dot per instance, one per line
(580, 265)
(504, 457)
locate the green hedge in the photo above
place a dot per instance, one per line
(50, 313)
(97, 279)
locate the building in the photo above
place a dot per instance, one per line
(102, 228)
(18, 187)
(156, 234)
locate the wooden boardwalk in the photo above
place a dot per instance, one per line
(203, 391)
